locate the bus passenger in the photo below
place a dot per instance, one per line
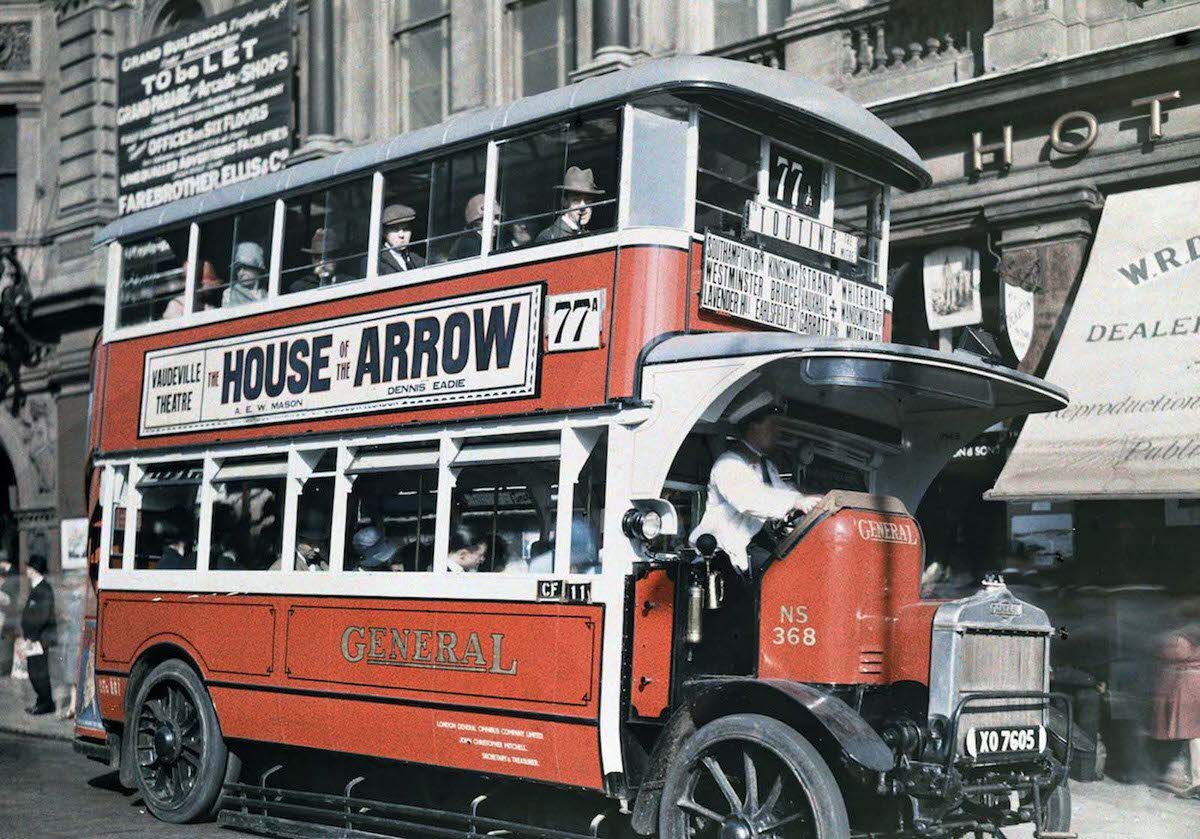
(745, 489)
(208, 292)
(176, 553)
(373, 550)
(578, 191)
(468, 548)
(249, 282)
(397, 221)
(470, 242)
(323, 249)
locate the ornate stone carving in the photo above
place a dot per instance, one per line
(39, 435)
(1022, 268)
(15, 49)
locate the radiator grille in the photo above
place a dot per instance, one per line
(1000, 661)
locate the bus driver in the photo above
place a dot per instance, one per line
(745, 489)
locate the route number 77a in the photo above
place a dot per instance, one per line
(573, 321)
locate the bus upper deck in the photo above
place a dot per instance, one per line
(542, 247)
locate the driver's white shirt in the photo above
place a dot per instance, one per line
(740, 502)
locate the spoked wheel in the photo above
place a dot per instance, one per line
(751, 777)
(181, 758)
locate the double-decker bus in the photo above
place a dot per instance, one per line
(398, 459)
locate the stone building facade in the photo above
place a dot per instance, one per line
(940, 71)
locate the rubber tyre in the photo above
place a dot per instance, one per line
(201, 800)
(1058, 810)
(792, 750)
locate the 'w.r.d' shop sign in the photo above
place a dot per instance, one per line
(467, 349)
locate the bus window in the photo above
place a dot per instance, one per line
(314, 514)
(247, 514)
(559, 183)
(153, 275)
(325, 237)
(456, 211)
(729, 159)
(120, 505)
(502, 517)
(238, 249)
(587, 512)
(858, 209)
(168, 516)
(404, 222)
(390, 520)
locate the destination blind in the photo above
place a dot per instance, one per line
(749, 283)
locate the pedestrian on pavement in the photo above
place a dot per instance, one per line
(1176, 702)
(10, 612)
(39, 629)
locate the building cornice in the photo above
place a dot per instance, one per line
(1054, 78)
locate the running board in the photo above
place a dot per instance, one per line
(272, 811)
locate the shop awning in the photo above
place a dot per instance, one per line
(1129, 358)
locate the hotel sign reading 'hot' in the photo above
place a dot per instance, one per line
(481, 347)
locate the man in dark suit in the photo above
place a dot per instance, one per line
(397, 222)
(39, 629)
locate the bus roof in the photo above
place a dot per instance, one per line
(815, 107)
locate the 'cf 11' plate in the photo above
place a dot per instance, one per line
(1018, 739)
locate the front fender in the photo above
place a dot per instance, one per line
(834, 728)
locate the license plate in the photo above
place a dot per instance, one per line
(1008, 740)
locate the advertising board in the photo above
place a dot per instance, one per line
(205, 108)
(479, 347)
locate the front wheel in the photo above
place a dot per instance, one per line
(181, 756)
(751, 777)
(1057, 816)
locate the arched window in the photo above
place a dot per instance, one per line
(177, 14)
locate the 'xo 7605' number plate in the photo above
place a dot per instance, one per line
(982, 742)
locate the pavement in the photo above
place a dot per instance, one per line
(1101, 810)
(15, 696)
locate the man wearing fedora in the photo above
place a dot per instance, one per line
(397, 221)
(579, 190)
(249, 281)
(323, 250)
(374, 550)
(470, 242)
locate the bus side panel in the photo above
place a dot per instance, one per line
(502, 687)
(224, 635)
(648, 301)
(546, 750)
(653, 627)
(567, 379)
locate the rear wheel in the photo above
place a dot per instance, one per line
(751, 777)
(180, 755)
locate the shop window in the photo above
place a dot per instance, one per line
(120, 511)
(423, 46)
(153, 276)
(559, 183)
(314, 513)
(234, 255)
(8, 169)
(456, 211)
(728, 165)
(168, 516)
(391, 517)
(247, 514)
(325, 237)
(543, 39)
(502, 517)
